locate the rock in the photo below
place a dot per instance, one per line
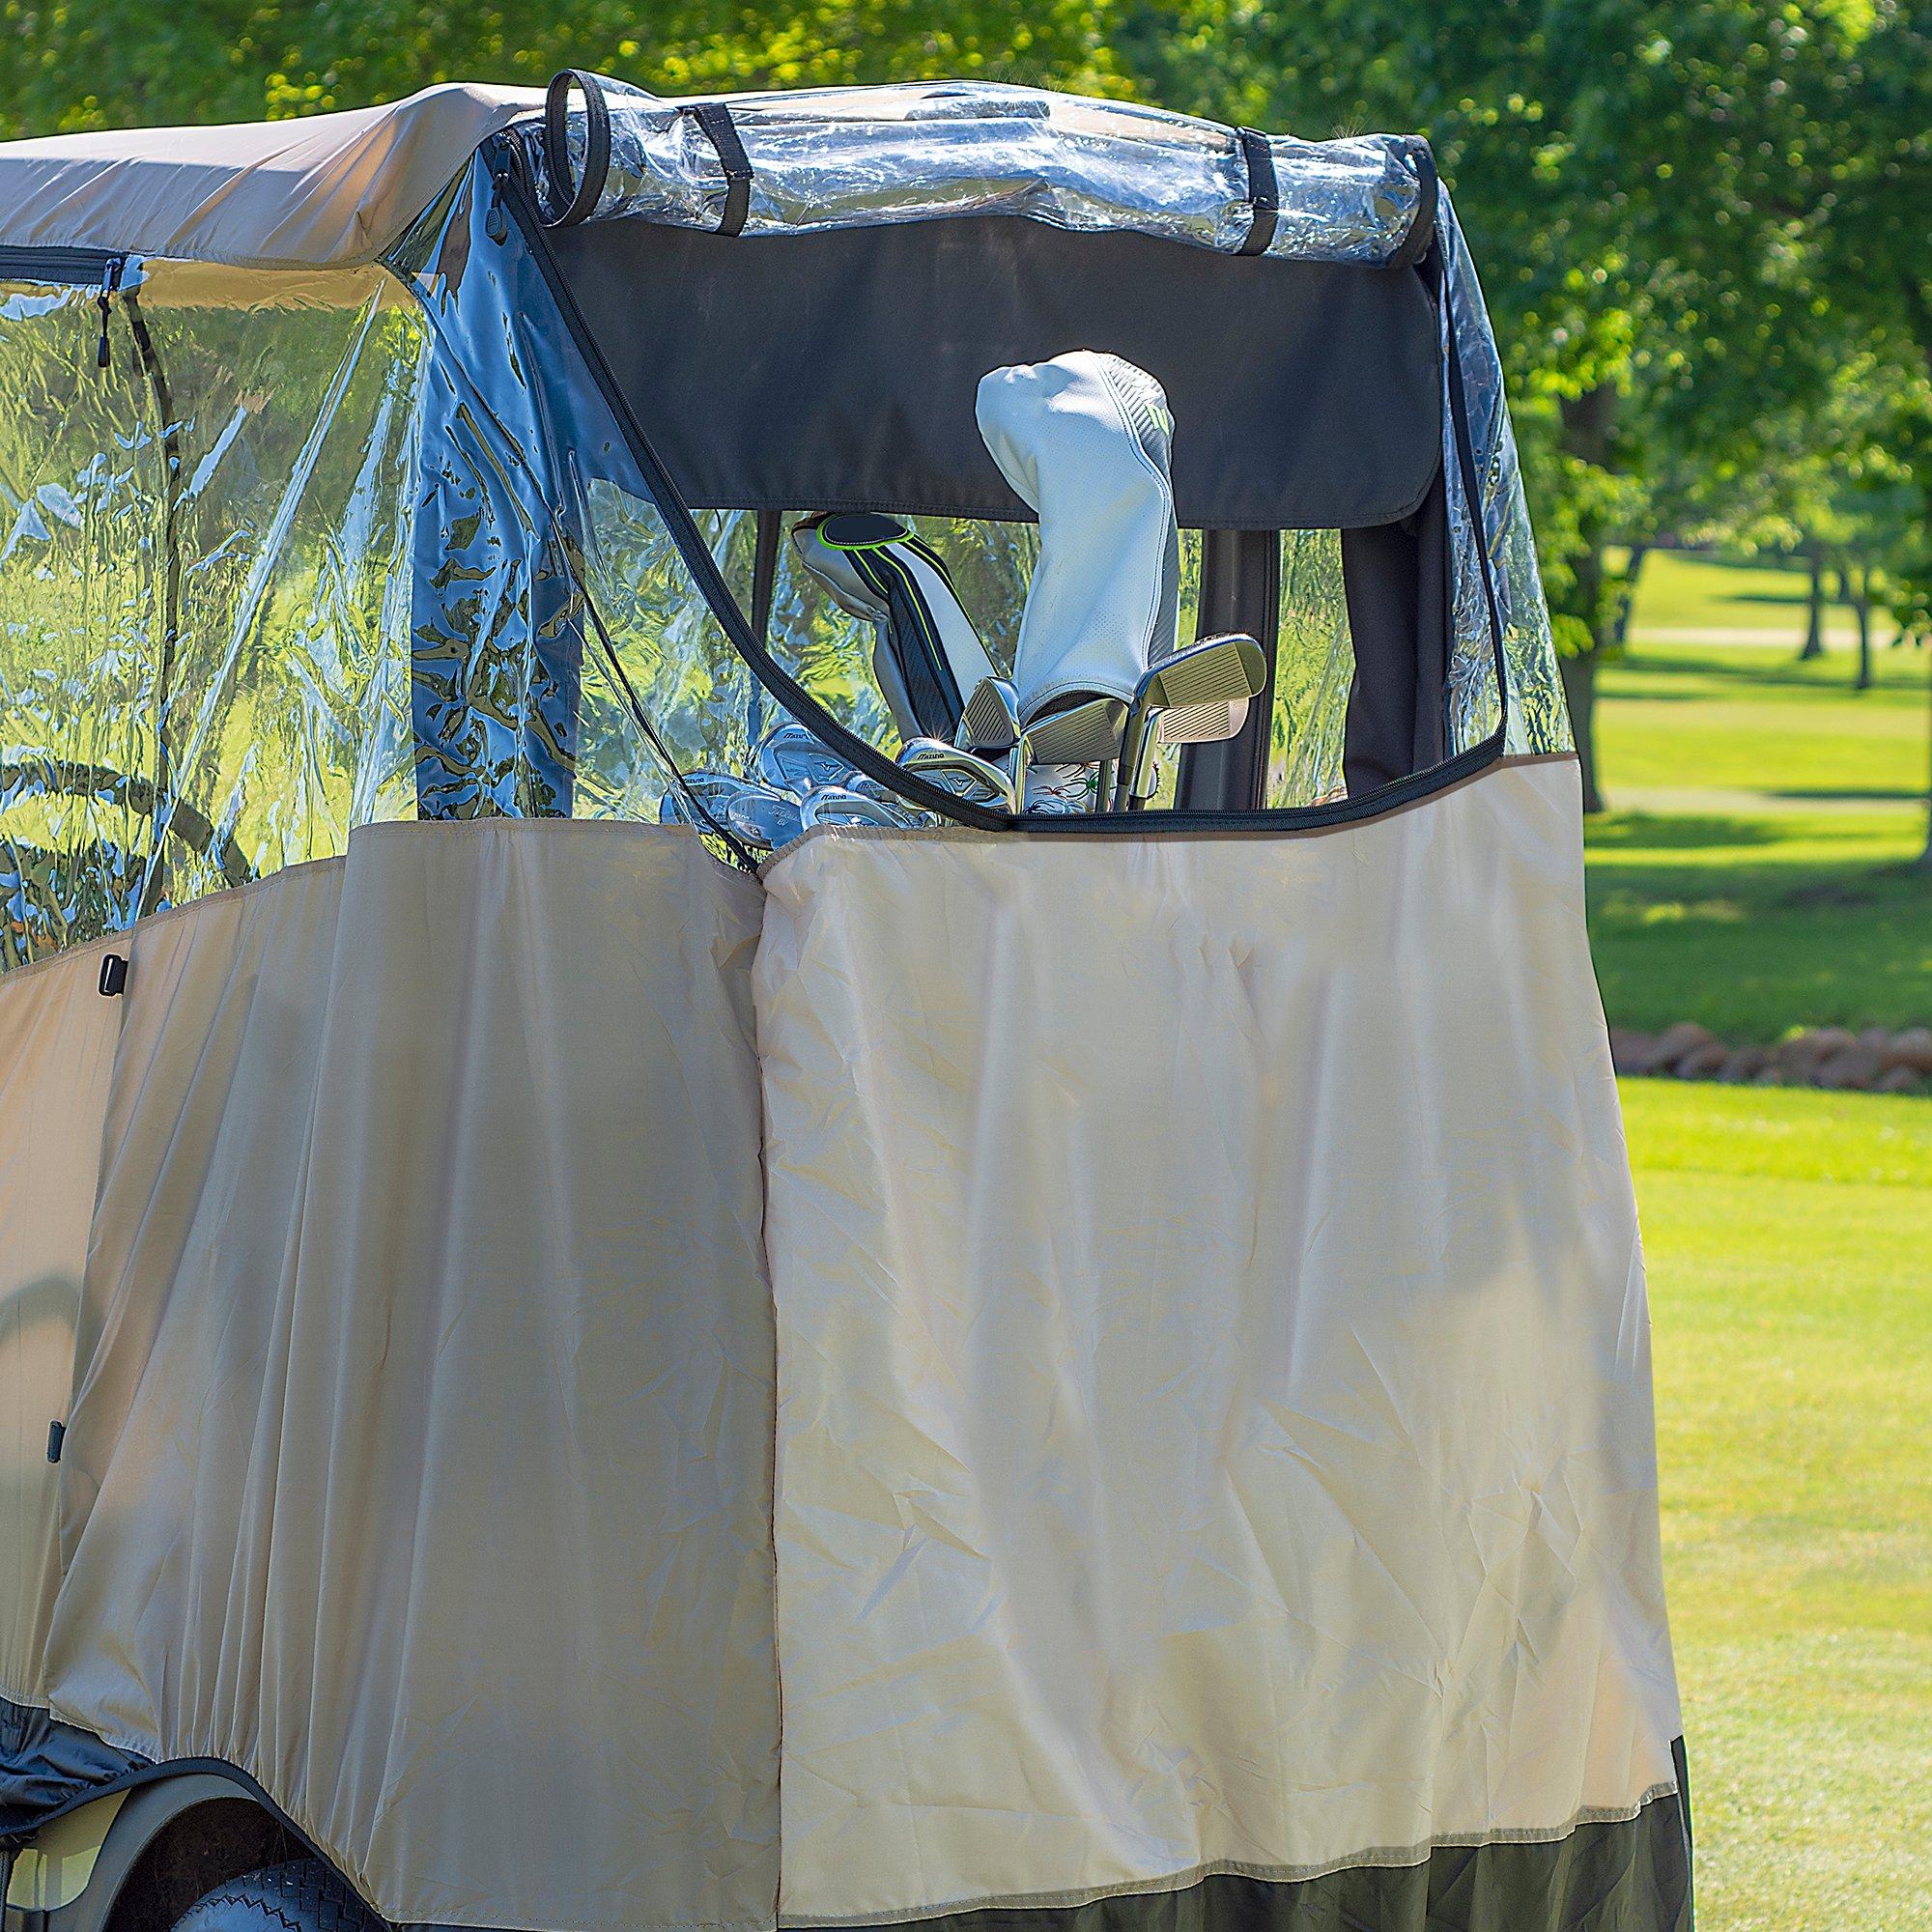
(1910, 1050)
(1854, 1067)
(1673, 1043)
(1743, 1064)
(1630, 1050)
(1772, 1076)
(1877, 1039)
(1804, 1052)
(1701, 1061)
(1900, 1080)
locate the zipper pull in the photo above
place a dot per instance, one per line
(110, 281)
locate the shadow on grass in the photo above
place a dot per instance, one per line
(1751, 675)
(1875, 794)
(1652, 831)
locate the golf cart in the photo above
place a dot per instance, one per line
(802, 1117)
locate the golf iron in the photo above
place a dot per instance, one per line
(1086, 734)
(1212, 680)
(964, 774)
(990, 727)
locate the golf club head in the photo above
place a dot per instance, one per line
(791, 759)
(1083, 734)
(1202, 723)
(990, 724)
(964, 774)
(835, 807)
(764, 818)
(702, 799)
(756, 814)
(1219, 670)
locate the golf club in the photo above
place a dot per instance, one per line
(791, 759)
(1085, 735)
(1210, 676)
(834, 806)
(762, 816)
(964, 774)
(990, 727)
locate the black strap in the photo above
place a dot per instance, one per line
(715, 119)
(1422, 228)
(1264, 196)
(557, 148)
(765, 572)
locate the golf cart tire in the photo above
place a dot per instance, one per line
(302, 1895)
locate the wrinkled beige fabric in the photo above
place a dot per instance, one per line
(1214, 1425)
(56, 1051)
(323, 190)
(421, 1465)
(1214, 1399)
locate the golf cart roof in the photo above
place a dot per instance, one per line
(337, 190)
(330, 190)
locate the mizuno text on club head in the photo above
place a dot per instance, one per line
(964, 774)
(791, 759)
(835, 807)
(1215, 672)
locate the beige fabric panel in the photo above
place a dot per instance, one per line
(56, 1050)
(422, 1467)
(1214, 1392)
(323, 190)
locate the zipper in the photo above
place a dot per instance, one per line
(110, 281)
(505, 160)
(78, 267)
(98, 268)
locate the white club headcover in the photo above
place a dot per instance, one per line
(1085, 439)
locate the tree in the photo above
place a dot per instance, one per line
(1872, 172)
(127, 63)
(1622, 168)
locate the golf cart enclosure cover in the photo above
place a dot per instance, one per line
(1135, 1339)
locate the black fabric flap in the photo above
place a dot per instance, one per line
(837, 371)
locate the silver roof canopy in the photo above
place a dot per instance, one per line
(843, 157)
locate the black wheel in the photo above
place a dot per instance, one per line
(300, 1896)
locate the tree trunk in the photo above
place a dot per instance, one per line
(1589, 422)
(1926, 857)
(1861, 604)
(1579, 693)
(1814, 629)
(1627, 596)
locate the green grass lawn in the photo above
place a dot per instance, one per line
(1755, 875)
(1789, 1242)
(1755, 869)
(1694, 596)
